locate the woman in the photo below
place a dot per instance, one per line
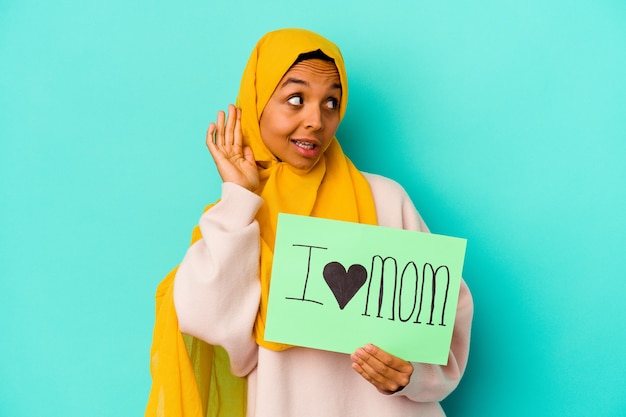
(277, 152)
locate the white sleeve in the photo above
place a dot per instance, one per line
(217, 288)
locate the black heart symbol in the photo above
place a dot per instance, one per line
(344, 285)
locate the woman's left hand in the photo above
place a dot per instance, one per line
(386, 372)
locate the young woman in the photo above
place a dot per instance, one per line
(276, 151)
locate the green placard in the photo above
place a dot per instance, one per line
(339, 285)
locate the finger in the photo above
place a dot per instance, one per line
(383, 385)
(210, 136)
(248, 155)
(210, 143)
(375, 368)
(388, 375)
(238, 131)
(388, 359)
(219, 136)
(229, 135)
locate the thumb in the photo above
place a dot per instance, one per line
(248, 155)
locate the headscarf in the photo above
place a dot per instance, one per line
(185, 382)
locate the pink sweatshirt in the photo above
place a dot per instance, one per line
(219, 278)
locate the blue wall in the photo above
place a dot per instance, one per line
(504, 120)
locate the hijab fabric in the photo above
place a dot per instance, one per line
(190, 377)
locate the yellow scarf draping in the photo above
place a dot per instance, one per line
(190, 377)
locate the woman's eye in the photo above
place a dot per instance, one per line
(295, 100)
(332, 103)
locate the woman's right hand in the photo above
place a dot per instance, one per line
(235, 163)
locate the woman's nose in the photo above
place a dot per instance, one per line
(313, 118)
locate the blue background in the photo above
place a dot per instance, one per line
(504, 120)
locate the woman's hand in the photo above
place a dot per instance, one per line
(235, 163)
(386, 372)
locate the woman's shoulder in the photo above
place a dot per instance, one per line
(394, 207)
(381, 185)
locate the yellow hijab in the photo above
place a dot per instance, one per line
(190, 377)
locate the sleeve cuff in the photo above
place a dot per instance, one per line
(237, 208)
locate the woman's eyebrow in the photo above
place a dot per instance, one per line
(295, 81)
(336, 86)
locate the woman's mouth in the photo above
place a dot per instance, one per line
(309, 146)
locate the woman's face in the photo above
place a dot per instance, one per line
(302, 115)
